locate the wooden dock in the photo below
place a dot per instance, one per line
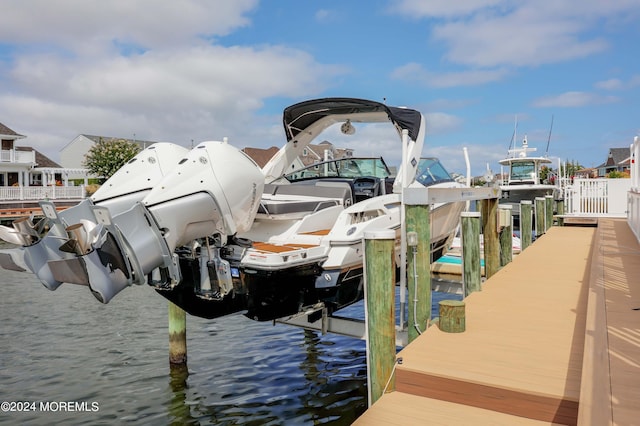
(552, 338)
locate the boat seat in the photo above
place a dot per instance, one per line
(302, 198)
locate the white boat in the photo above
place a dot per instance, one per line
(307, 235)
(524, 181)
(215, 234)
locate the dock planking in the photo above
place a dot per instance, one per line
(521, 357)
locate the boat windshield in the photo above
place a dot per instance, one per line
(342, 168)
(523, 170)
(430, 171)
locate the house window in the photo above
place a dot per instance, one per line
(305, 152)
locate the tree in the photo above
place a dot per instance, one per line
(107, 156)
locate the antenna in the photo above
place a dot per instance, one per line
(513, 135)
(546, 153)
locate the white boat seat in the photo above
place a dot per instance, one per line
(302, 198)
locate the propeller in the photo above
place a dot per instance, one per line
(82, 236)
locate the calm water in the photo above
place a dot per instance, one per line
(65, 346)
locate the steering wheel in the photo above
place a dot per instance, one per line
(367, 186)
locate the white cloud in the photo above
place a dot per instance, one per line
(611, 84)
(413, 72)
(442, 8)
(176, 87)
(494, 33)
(89, 25)
(573, 99)
(618, 84)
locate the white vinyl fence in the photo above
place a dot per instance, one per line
(597, 197)
(633, 217)
(9, 193)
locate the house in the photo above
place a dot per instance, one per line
(311, 154)
(589, 173)
(617, 160)
(27, 175)
(72, 155)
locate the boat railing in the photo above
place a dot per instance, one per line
(597, 197)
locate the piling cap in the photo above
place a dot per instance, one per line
(382, 234)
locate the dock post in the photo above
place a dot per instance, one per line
(452, 316)
(560, 205)
(540, 217)
(506, 234)
(548, 199)
(471, 276)
(419, 269)
(490, 236)
(526, 225)
(379, 294)
(177, 335)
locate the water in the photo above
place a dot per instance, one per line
(111, 361)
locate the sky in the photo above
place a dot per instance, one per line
(564, 73)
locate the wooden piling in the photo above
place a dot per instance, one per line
(379, 310)
(506, 234)
(526, 225)
(471, 276)
(177, 335)
(541, 220)
(560, 208)
(548, 200)
(419, 269)
(452, 316)
(490, 236)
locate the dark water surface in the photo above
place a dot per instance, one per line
(111, 363)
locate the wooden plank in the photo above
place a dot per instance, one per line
(522, 349)
(279, 248)
(397, 408)
(619, 269)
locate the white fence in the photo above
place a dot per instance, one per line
(9, 193)
(633, 217)
(597, 197)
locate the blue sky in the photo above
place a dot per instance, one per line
(203, 70)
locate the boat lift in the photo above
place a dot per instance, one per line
(316, 317)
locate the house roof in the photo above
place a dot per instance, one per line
(617, 155)
(259, 155)
(5, 131)
(41, 159)
(141, 143)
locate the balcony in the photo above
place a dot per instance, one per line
(15, 156)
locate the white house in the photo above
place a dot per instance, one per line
(72, 155)
(28, 175)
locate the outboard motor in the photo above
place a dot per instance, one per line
(61, 236)
(214, 190)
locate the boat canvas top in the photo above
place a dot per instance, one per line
(304, 121)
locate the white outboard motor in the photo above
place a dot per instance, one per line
(214, 190)
(73, 230)
(133, 181)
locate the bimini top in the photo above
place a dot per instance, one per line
(305, 121)
(303, 115)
